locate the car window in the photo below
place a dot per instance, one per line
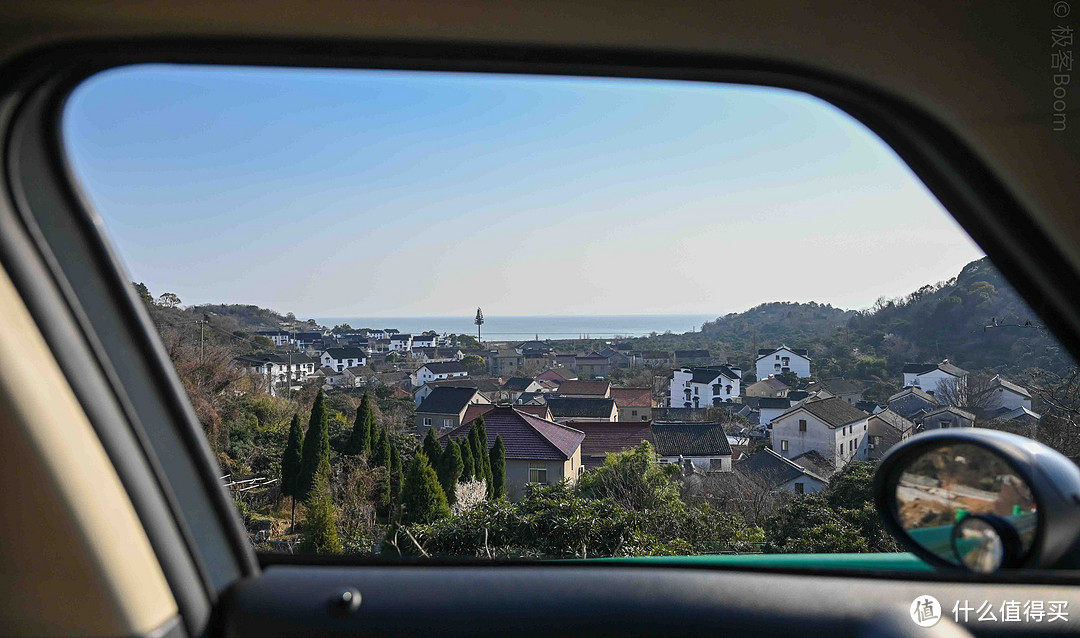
(505, 316)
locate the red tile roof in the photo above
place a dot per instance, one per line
(606, 438)
(473, 411)
(632, 397)
(525, 436)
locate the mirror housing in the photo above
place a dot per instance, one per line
(1052, 478)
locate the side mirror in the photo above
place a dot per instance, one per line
(981, 500)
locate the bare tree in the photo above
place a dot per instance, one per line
(973, 392)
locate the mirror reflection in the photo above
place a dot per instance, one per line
(945, 486)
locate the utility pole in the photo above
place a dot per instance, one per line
(479, 321)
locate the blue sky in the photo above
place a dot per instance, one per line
(379, 193)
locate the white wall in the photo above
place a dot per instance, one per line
(729, 390)
(833, 444)
(703, 463)
(1005, 398)
(927, 382)
(796, 363)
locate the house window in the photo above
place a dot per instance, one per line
(633, 412)
(783, 445)
(447, 423)
(538, 474)
(802, 425)
(943, 424)
(800, 488)
(696, 391)
(777, 367)
(427, 421)
(777, 357)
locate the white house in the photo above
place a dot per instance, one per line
(772, 407)
(341, 358)
(1008, 395)
(400, 342)
(780, 474)
(831, 427)
(928, 376)
(279, 337)
(439, 371)
(424, 341)
(703, 444)
(772, 361)
(704, 387)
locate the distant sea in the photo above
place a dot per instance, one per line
(499, 328)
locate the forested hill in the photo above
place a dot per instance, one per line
(942, 320)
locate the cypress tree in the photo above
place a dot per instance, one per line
(498, 468)
(422, 498)
(316, 446)
(395, 472)
(485, 452)
(380, 456)
(320, 524)
(360, 439)
(449, 470)
(431, 446)
(468, 467)
(290, 465)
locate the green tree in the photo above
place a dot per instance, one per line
(449, 470)
(481, 438)
(360, 439)
(498, 468)
(852, 487)
(320, 523)
(474, 364)
(431, 445)
(808, 525)
(316, 445)
(290, 466)
(468, 466)
(422, 498)
(395, 472)
(634, 479)
(380, 455)
(144, 294)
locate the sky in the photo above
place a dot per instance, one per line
(389, 193)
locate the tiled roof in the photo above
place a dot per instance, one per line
(347, 353)
(922, 394)
(563, 407)
(964, 414)
(944, 366)
(525, 436)
(690, 439)
(592, 388)
(894, 420)
(772, 468)
(445, 367)
(563, 374)
(692, 354)
(632, 397)
(447, 400)
(834, 411)
(517, 384)
(764, 352)
(1008, 385)
(473, 411)
(602, 439)
(773, 403)
(772, 383)
(840, 386)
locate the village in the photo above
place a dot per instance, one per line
(562, 414)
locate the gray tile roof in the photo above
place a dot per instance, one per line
(834, 411)
(569, 407)
(1008, 385)
(773, 469)
(944, 366)
(691, 439)
(447, 400)
(445, 367)
(602, 439)
(764, 352)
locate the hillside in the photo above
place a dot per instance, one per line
(937, 321)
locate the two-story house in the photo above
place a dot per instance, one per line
(703, 387)
(832, 427)
(341, 358)
(400, 342)
(505, 362)
(775, 361)
(912, 401)
(635, 404)
(444, 408)
(945, 417)
(928, 376)
(537, 450)
(1007, 395)
(439, 371)
(884, 430)
(424, 341)
(279, 337)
